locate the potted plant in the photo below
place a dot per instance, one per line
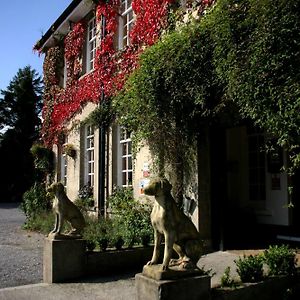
(69, 150)
(103, 243)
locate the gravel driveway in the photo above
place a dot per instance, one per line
(20, 251)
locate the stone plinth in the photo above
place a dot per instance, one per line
(64, 259)
(173, 284)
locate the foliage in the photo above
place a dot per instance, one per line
(42, 222)
(250, 268)
(19, 115)
(35, 201)
(84, 204)
(103, 115)
(111, 66)
(256, 55)
(96, 232)
(85, 198)
(226, 280)
(131, 217)
(281, 260)
(43, 158)
(69, 150)
(241, 54)
(85, 191)
(170, 97)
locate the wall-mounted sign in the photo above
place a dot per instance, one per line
(143, 183)
(146, 170)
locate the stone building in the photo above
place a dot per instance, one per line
(89, 50)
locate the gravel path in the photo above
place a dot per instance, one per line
(20, 251)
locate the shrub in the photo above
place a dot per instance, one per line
(43, 158)
(250, 269)
(35, 201)
(226, 280)
(131, 218)
(281, 260)
(96, 233)
(43, 222)
(85, 198)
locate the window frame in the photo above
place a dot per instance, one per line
(125, 155)
(91, 44)
(89, 149)
(126, 21)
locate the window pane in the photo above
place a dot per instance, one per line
(124, 163)
(129, 178)
(124, 178)
(124, 149)
(129, 163)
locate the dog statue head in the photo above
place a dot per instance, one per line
(157, 187)
(56, 187)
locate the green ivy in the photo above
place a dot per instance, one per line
(243, 56)
(256, 55)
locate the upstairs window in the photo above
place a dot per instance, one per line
(91, 44)
(126, 23)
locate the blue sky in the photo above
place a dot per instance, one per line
(22, 23)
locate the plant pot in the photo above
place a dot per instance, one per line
(90, 245)
(103, 244)
(119, 243)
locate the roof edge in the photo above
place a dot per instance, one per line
(43, 40)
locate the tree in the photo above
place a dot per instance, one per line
(20, 107)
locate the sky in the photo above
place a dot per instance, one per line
(22, 24)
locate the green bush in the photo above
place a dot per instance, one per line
(96, 232)
(226, 280)
(35, 201)
(131, 218)
(43, 222)
(43, 158)
(281, 260)
(250, 268)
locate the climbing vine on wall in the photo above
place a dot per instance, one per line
(111, 67)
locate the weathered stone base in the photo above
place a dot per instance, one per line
(175, 272)
(192, 288)
(63, 259)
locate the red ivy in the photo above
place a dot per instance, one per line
(111, 66)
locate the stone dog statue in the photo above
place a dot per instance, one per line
(65, 210)
(178, 230)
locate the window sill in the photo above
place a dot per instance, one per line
(86, 74)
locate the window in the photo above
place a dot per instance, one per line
(91, 44)
(126, 22)
(64, 167)
(63, 162)
(89, 151)
(126, 158)
(257, 169)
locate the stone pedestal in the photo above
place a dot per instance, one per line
(180, 287)
(63, 259)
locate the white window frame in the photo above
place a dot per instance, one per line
(63, 163)
(64, 169)
(89, 155)
(65, 73)
(91, 44)
(125, 23)
(125, 158)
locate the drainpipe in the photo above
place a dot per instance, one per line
(101, 177)
(102, 136)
